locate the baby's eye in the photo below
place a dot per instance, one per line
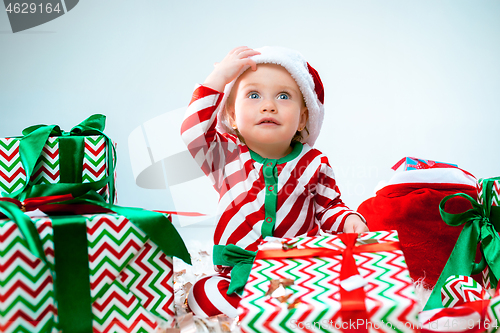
(253, 95)
(283, 96)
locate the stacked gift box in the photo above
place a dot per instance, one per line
(71, 260)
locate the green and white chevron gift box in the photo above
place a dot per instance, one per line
(341, 283)
(127, 278)
(58, 162)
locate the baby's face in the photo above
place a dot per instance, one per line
(268, 107)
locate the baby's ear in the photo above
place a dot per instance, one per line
(304, 116)
(230, 117)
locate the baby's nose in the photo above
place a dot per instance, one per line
(268, 106)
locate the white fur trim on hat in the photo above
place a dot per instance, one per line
(299, 69)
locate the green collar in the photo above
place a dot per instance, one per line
(297, 149)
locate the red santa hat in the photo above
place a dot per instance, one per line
(307, 79)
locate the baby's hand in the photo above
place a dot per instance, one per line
(229, 68)
(353, 223)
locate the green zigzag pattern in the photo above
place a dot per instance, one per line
(8, 167)
(33, 305)
(94, 160)
(380, 275)
(317, 283)
(7, 144)
(18, 184)
(13, 164)
(109, 311)
(152, 285)
(111, 238)
(259, 291)
(45, 161)
(95, 139)
(43, 178)
(48, 237)
(496, 195)
(494, 311)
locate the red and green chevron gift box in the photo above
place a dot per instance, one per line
(131, 279)
(331, 284)
(47, 161)
(47, 169)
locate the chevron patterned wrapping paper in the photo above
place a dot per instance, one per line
(495, 192)
(460, 289)
(131, 279)
(313, 300)
(13, 175)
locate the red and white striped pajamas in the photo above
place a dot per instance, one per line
(295, 195)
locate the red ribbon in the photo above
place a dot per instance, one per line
(33, 203)
(42, 203)
(352, 303)
(191, 214)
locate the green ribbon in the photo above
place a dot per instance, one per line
(241, 260)
(72, 273)
(480, 225)
(71, 151)
(26, 227)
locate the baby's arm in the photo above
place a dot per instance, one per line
(229, 68)
(333, 214)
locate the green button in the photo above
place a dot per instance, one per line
(269, 164)
(270, 188)
(269, 219)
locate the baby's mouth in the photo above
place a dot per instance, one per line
(268, 121)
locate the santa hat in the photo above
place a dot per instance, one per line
(306, 77)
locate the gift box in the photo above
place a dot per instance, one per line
(99, 272)
(58, 162)
(337, 283)
(480, 227)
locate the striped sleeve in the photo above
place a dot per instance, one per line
(208, 147)
(331, 212)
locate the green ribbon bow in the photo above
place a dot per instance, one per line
(71, 155)
(241, 260)
(71, 278)
(481, 224)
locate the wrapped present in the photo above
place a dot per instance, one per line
(480, 224)
(337, 283)
(58, 162)
(413, 163)
(96, 272)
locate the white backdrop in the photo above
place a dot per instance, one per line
(402, 78)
